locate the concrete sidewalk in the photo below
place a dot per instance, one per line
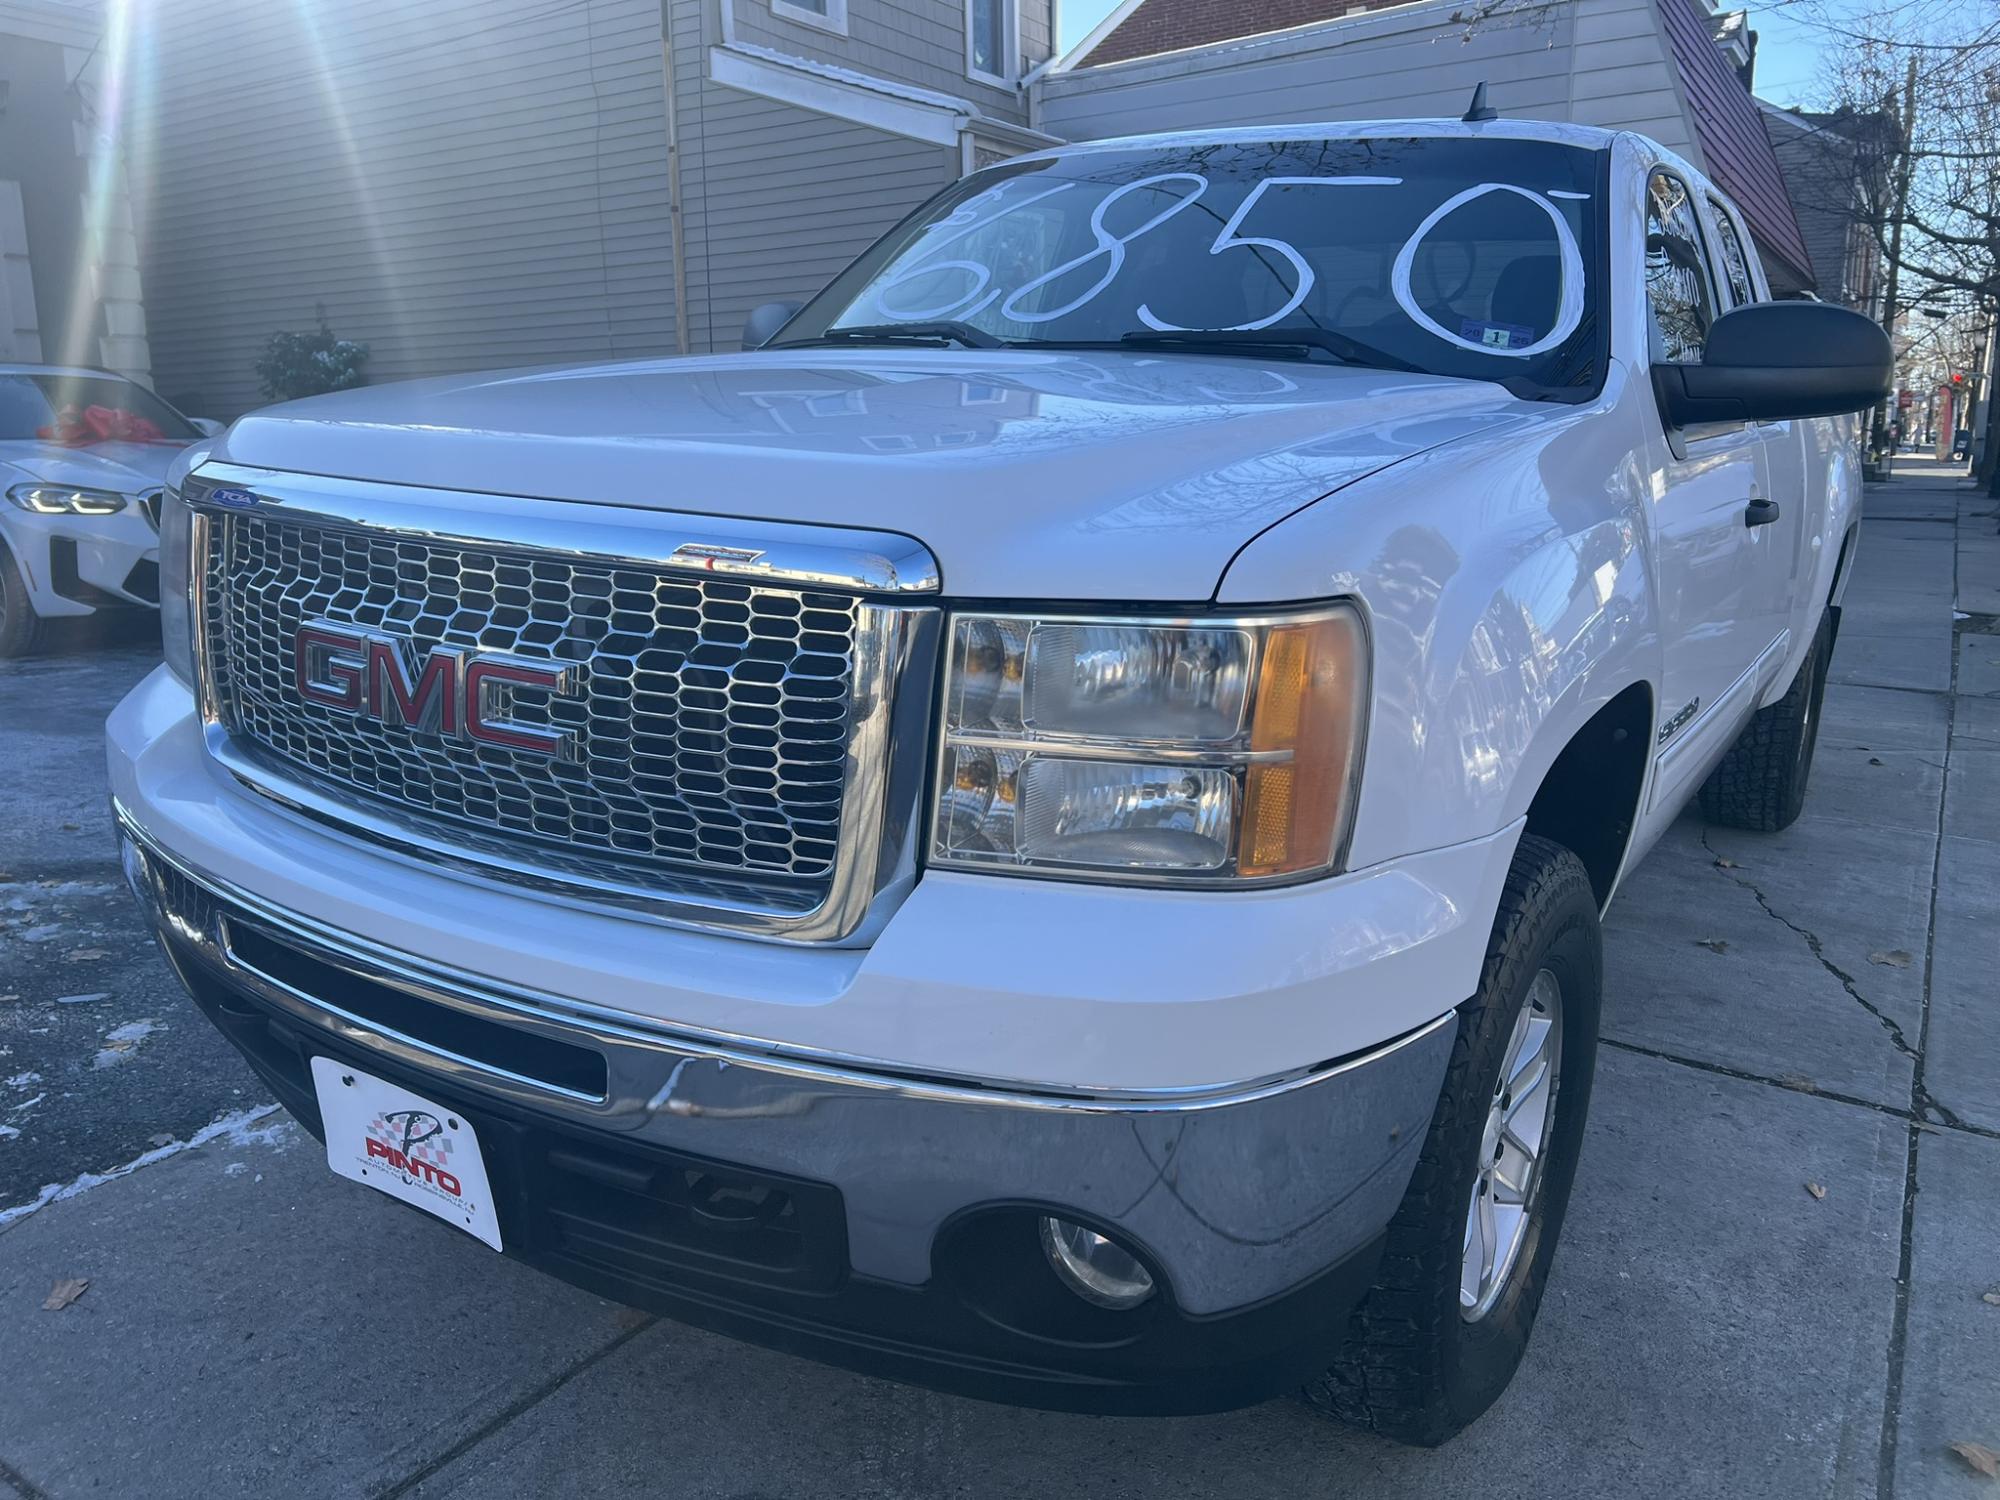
(1812, 1010)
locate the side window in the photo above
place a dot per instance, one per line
(1678, 293)
(1735, 264)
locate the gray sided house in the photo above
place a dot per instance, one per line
(1837, 171)
(473, 184)
(69, 261)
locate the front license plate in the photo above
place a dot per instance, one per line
(392, 1140)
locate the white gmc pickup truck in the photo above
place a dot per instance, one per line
(1042, 832)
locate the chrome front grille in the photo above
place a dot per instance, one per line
(723, 735)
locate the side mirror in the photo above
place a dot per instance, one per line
(764, 322)
(208, 426)
(1772, 361)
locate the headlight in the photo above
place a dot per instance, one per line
(177, 565)
(65, 500)
(1219, 749)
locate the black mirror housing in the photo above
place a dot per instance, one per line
(1773, 361)
(765, 320)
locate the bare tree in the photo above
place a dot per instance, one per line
(1926, 190)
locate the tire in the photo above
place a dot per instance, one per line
(1418, 1366)
(1761, 781)
(20, 626)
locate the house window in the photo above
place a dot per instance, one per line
(1679, 296)
(828, 15)
(990, 41)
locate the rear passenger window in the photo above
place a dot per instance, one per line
(1679, 296)
(1735, 264)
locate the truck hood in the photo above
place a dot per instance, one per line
(1053, 475)
(127, 468)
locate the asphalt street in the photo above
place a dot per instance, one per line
(101, 1057)
(1774, 1279)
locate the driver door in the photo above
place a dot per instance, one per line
(1714, 623)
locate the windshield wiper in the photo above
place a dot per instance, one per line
(1347, 350)
(941, 331)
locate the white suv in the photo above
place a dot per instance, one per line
(1044, 832)
(83, 455)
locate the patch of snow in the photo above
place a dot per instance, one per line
(90, 999)
(22, 1080)
(123, 1041)
(42, 933)
(27, 1104)
(6, 1131)
(235, 1169)
(244, 1128)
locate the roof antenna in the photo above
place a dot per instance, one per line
(1481, 111)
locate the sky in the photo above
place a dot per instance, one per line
(1787, 48)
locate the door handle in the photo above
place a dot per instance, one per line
(1760, 512)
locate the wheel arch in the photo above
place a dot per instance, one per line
(1588, 799)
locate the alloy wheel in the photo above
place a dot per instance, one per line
(1518, 1126)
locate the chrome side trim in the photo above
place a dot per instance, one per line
(645, 1061)
(875, 854)
(821, 557)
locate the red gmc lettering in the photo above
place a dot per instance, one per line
(431, 704)
(452, 692)
(322, 676)
(488, 730)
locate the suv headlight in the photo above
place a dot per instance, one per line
(1216, 749)
(65, 500)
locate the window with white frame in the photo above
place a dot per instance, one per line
(991, 42)
(828, 15)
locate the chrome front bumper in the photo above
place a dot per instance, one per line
(1234, 1196)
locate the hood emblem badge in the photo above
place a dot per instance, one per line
(708, 555)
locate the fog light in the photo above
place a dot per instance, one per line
(1097, 1269)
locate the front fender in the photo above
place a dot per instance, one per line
(1508, 589)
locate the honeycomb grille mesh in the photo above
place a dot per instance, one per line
(709, 718)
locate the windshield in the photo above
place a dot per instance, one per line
(78, 410)
(1453, 256)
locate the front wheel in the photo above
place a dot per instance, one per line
(1437, 1339)
(20, 626)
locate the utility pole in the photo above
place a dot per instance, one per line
(1905, 169)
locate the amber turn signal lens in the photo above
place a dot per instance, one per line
(1307, 718)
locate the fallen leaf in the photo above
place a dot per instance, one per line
(1895, 958)
(162, 1139)
(1713, 945)
(84, 955)
(1798, 1081)
(83, 999)
(1874, 760)
(63, 1293)
(1816, 1190)
(71, 827)
(1978, 1457)
(1992, 1297)
(1725, 864)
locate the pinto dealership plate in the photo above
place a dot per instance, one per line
(394, 1141)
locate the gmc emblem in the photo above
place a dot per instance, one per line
(453, 692)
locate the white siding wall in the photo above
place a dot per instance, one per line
(463, 184)
(919, 42)
(1598, 62)
(781, 199)
(20, 335)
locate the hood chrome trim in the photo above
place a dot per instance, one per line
(820, 557)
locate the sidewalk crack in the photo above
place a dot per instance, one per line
(1926, 1105)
